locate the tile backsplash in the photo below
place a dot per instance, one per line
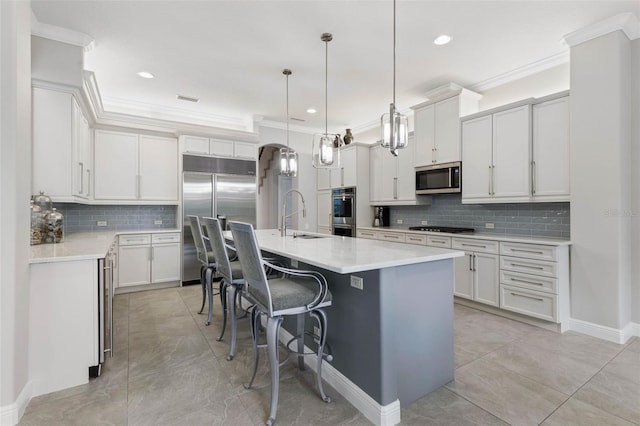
(81, 217)
(529, 219)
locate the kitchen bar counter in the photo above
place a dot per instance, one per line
(81, 246)
(390, 325)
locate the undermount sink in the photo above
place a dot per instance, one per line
(308, 236)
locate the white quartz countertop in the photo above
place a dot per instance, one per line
(82, 246)
(477, 235)
(346, 255)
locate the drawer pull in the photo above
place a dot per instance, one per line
(165, 238)
(527, 297)
(520, 265)
(525, 282)
(131, 240)
(393, 237)
(474, 245)
(528, 251)
(413, 239)
(439, 241)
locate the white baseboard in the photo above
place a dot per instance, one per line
(380, 415)
(611, 334)
(11, 414)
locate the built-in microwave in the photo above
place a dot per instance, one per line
(439, 178)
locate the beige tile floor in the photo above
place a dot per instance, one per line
(168, 369)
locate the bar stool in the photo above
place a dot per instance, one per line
(232, 280)
(297, 293)
(208, 265)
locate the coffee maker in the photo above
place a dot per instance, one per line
(380, 216)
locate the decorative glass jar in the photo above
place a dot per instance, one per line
(53, 227)
(43, 201)
(37, 224)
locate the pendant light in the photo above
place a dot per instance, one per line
(288, 157)
(326, 146)
(394, 127)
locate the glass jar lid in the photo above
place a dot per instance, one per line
(44, 201)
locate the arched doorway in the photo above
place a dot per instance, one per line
(271, 188)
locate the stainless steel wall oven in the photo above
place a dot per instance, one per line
(344, 212)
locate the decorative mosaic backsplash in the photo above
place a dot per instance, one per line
(530, 219)
(80, 217)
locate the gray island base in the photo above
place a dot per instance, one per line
(392, 336)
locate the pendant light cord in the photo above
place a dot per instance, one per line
(326, 82)
(394, 52)
(287, 74)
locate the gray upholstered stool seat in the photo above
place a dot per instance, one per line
(297, 292)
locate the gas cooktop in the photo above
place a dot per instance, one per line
(450, 229)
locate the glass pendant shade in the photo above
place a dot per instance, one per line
(394, 130)
(326, 155)
(288, 162)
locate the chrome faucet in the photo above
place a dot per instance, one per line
(283, 227)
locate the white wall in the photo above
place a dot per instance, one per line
(306, 180)
(15, 184)
(600, 181)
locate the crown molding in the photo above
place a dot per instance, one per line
(625, 22)
(521, 72)
(292, 127)
(60, 34)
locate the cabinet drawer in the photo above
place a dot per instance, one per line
(531, 282)
(530, 251)
(392, 236)
(373, 235)
(437, 241)
(165, 238)
(529, 266)
(416, 239)
(527, 302)
(483, 246)
(134, 240)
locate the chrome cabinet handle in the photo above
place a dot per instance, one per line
(489, 189)
(473, 245)
(81, 177)
(520, 265)
(470, 262)
(533, 177)
(528, 251)
(395, 188)
(525, 282)
(88, 182)
(527, 297)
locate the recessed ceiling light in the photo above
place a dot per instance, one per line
(145, 74)
(442, 39)
(312, 111)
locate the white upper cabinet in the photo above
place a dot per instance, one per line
(352, 167)
(392, 178)
(135, 167)
(495, 156)
(437, 127)
(550, 165)
(61, 149)
(219, 147)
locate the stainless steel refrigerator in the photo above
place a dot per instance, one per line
(214, 187)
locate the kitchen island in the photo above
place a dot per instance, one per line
(390, 326)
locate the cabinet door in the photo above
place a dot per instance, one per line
(246, 150)
(135, 265)
(550, 162)
(165, 262)
(87, 156)
(78, 165)
(52, 135)
(424, 122)
(463, 276)
(158, 178)
(375, 173)
(447, 131)
(406, 173)
(195, 145)
(116, 166)
(476, 158)
(221, 147)
(387, 168)
(324, 208)
(349, 166)
(323, 178)
(511, 147)
(486, 284)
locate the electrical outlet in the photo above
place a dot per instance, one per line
(423, 222)
(294, 263)
(157, 222)
(357, 282)
(101, 223)
(399, 221)
(489, 225)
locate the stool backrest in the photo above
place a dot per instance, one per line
(198, 239)
(244, 239)
(216, 239)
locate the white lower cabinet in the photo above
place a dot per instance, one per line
(477, 274)
(148, 258)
